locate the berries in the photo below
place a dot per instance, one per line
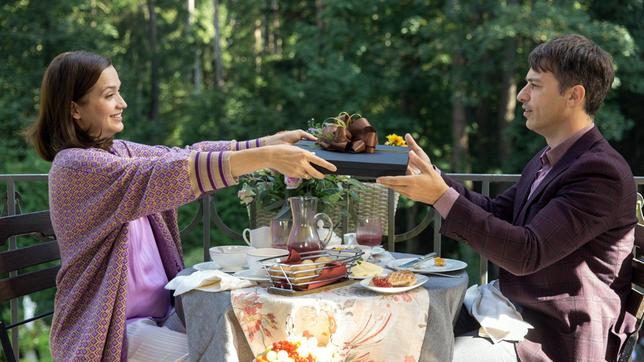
(382, 282)
(285, 351)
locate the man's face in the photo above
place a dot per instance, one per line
(544, 107)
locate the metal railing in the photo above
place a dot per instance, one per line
(207, 215)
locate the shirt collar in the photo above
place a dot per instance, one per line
(552, 155)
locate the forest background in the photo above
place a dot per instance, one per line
(447, 71)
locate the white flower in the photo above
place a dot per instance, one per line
(292, 182)
(271, 356)
(246, 195)
(282, 355)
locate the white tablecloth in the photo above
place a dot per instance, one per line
(215, 334)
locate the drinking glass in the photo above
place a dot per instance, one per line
(369, 232)
(280, 229)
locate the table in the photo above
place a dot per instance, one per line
(214, 334)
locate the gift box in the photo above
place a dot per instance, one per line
(386, 161)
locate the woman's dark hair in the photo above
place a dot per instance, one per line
(67, 79)
(574, 59)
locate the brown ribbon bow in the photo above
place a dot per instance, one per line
(349, 135)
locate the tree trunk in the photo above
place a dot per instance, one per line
(277, 41)
(460, 139)
(219, 68)
(266, 33)
(319, 7)
(153, 112)
(507, 101)
(197, 74)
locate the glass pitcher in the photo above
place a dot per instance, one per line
(304, 234)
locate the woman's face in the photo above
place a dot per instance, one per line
(100, 111)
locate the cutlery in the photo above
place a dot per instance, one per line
(418, 260)
(444, 275)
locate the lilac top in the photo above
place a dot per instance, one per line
(549, 158)
(146, 277)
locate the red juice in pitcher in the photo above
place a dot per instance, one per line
(304, 247)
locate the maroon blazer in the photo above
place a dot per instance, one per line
(564, 252)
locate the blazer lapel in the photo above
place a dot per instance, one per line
(523, 187)
(582, 145)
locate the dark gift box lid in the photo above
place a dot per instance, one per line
(386, 161)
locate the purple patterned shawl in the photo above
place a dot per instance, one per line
(93, 195)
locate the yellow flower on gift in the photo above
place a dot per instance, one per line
(395, 140)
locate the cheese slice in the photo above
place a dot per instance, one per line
(365, 269)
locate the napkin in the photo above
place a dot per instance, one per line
(207, 281)
(335, 239)
(497, 316)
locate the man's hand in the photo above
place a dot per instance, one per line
(426, 185)
(413, 146)
(288, 137)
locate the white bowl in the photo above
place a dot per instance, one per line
(254, 256)
(230, 257)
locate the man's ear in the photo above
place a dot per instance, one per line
(577, 95)
(75, 112)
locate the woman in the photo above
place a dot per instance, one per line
(113, 202)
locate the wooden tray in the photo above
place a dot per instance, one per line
(294, 293)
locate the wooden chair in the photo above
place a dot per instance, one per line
(16, 285)
(635, 301)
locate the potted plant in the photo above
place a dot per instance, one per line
(265, 193)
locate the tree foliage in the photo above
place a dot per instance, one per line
(445, 70)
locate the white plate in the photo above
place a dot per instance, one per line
(233, 270)
(358, 278)
(420, 279)
(207, 265)
(250, 275)
(428, 267)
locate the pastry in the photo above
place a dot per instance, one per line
(303, 272)
(278, 270)
(324, 259)
(401, 278)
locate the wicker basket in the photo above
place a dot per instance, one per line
(372, 201)
(292, 277)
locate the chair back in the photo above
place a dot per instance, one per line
(635, 301)
(20, 282)
(638, 209)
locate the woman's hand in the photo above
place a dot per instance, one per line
(288, 137)
(293, 161)
(426, 185)
(287, 159)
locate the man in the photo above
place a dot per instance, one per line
(563, 234)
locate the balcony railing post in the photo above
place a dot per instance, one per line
(437, 235)
(483, 269)
(206, 226)
(391, 221)
(13, 304)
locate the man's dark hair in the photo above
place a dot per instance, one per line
(574, 59)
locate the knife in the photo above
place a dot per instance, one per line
(418, 260)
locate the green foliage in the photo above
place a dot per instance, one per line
(400, 63)
(268, 191)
